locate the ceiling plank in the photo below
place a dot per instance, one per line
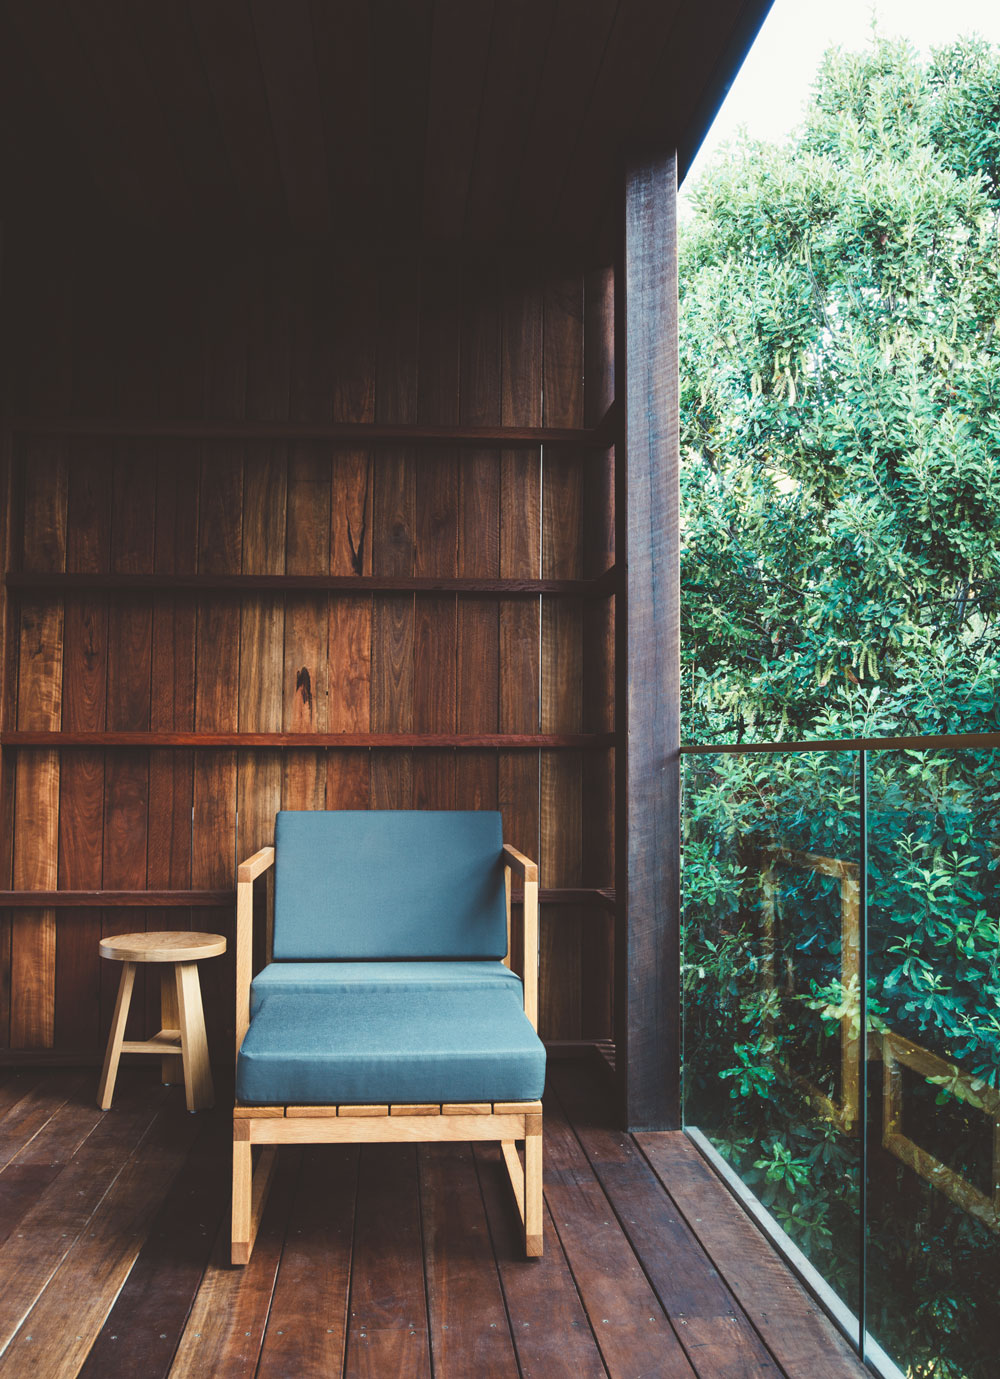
(400, 62)
(286, 50)
(637, 41)
(228, 48)
(107, 46)
(42, 173)
(520, 37)
(683, 74)
(169, 46)
(342, 49)
(460, 46)
(575, 52)
(71, 90)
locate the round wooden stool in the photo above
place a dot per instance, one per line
(181, 1012)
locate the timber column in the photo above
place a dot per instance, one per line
(647, 966)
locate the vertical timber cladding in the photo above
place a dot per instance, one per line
(294, 337)
(648, 660)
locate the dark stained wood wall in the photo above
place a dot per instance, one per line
(310, 336)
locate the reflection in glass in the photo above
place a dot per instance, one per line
(776, 937)
(771, 988)
(934, 1049)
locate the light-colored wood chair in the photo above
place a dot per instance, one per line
(411, 1012)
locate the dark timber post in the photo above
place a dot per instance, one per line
(647, 1003)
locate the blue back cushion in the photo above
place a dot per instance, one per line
(374, 884)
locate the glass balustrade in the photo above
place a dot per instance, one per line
(841, 986)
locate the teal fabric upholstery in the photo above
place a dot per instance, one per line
(394, 1045)
(377, 884)
(298, 977)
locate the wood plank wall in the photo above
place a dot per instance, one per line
(304, 336)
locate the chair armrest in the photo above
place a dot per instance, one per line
(519, 863)
(246, 874)
(516, 861)
(255, 865)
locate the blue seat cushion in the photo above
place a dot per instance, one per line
(372, 884)
(374, 976)
(356, 1046)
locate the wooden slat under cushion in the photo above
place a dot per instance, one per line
(560, 849)
(393, 513)
(436, 548)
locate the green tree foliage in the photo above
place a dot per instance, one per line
(840, 429)
(841, 576)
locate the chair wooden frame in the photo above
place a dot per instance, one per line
(270, 1126)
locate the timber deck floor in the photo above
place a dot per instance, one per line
(392, 1261)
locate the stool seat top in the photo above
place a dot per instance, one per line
(168, 946)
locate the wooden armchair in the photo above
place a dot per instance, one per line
(389, 1010)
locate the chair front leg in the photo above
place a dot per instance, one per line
(242, 1195)
(533, 1201)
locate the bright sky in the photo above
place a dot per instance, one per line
(774, 83)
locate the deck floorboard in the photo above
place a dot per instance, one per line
(388, 1260)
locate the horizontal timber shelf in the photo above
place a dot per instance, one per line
(358, 434)
(322, 584)
(111, 900)
(220, 900)
(316, 741)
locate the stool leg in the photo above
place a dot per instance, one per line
(109, 1072)
(171, 1067)
(198, 1089)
